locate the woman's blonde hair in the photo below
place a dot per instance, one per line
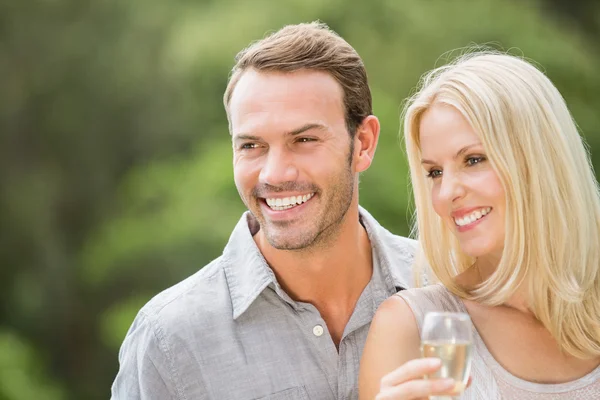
(552, 240)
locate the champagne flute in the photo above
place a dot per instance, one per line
(448, 336)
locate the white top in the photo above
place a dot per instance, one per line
(490, 380)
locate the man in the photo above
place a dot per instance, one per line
(284, 312)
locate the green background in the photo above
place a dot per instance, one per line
(115, 159)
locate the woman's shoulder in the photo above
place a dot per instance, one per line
(430, 298)
(395, 323)
(412, 305)
(392, 340)
(403, 307)
(436, 295)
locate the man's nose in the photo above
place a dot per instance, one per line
(279, 167)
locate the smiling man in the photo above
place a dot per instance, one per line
(285, 311)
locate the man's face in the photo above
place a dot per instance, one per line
(292, 155)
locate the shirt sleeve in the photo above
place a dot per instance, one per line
(146, 370)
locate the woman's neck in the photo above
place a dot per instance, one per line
(479, 272)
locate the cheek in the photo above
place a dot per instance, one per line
(317, 165)
(491, 187)
(498, 195)
(438, 206)
(244, 175)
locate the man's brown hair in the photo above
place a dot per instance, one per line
(311, 46)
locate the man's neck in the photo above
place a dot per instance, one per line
(331, 278)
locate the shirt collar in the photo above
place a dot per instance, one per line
(246, 270)
(248, 273)
(393, 256)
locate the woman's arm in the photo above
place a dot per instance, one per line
(391, 367)
(393, 340)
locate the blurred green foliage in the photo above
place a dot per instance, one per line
(115, 159)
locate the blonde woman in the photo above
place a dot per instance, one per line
(508, 218)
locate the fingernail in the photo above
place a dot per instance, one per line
(435, 362)
(447, 383)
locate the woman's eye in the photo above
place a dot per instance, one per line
(475, 160)
(434, 173)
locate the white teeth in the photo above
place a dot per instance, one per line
(288, 202)
(474, 216)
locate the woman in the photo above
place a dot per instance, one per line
(508, 218)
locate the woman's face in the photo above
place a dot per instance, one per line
(466, 192)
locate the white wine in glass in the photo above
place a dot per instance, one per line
(448, 336)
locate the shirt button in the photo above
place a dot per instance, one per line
(318, 330)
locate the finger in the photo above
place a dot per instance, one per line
(417, 389)
(413, 369)
(469, 382)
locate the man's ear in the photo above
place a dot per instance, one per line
(365, 143)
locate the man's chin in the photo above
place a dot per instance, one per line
(283, 242)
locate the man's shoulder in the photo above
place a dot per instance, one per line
(398, 240)
(399, 247)
(203, 296)
(395, 253)
(404, 245)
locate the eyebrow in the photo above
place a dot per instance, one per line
(294, 132)
(243, 136)
(458, 153)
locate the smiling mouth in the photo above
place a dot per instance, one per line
(286, 203)
(472, 217)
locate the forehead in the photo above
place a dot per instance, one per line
(285, 99)
(444, 129)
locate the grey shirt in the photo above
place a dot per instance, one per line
(230, 332)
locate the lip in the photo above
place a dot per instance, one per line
(461, 212)
(283, 215)
(473, 224)
(280, 195)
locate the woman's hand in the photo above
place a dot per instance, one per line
(407, 383)
(394, 340)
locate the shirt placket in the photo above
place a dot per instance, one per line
(316, 331)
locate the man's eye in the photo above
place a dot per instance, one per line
(305, 140)
(249, 146)
(434, 173)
